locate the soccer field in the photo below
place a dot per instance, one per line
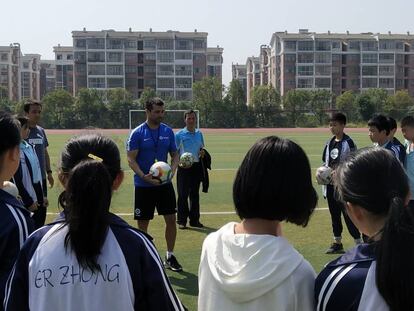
(227, 149)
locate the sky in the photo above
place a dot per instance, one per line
(240, 27)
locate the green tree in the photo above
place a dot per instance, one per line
(90, 109)
(207, 95)
(295, 103)
(346, 102)
(3, 93)
(119, 102)
(58, 106)
(320, 101)
(378, 98)
(398, 105)
(237, 103)
(146, 94)
(266, 103)
(366, 107)
(7, 105)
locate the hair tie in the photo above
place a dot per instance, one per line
(94, 157)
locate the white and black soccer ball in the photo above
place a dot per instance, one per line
(324, 175)
(186, 160)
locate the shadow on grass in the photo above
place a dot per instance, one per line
(205, 229)
(186, 283)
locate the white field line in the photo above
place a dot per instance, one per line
(202, 213)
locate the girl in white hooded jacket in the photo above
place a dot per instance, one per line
(249, 265)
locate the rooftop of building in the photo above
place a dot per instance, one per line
(169, 34)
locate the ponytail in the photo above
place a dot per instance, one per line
(395, 257)
(86, 204)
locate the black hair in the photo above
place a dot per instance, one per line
(374, 179)
(10, 133)
(187, 112)
(30, 102)
(90, 163)
(407, 121)
(380, 122)
(149, 104)
(392, 123)
(338, 117)
(268, 183)
(23, 121)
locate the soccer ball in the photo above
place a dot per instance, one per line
(161, 171)
(324, 175)
(10, 188)
(186, 160)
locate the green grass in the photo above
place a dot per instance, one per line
(227, 152)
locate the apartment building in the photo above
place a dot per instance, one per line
(252, 75)
(341, 61)
(30, 76)
(64, 61)
(47, 77)
(10, 71)
(168, 62)
(239, 72)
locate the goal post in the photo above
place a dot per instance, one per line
(172, 117)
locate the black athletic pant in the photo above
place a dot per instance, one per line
(188, 185)
(39, 216)
(335, 209)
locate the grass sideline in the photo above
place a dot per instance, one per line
(227, 149)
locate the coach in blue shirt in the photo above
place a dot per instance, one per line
(148, 143)
(191, 140)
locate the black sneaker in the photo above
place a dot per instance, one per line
(172, 264)
(335, 248)
(196, 224)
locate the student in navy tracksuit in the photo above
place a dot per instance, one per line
(89, 259)
(377, 275)
(15, 222)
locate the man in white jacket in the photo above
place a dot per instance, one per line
(249, 265)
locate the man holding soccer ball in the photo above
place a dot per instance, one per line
(190, 143)
(336, 150)
(148, 145)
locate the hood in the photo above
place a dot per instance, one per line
(247, 266)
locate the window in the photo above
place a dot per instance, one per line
(98, 83)
(217, 59)
(386, 58)
(26, 65)
(323, 45)
(198, 57)
(166, 44)
(165, 70)
(165, 83)
(387, 45)
(290, 57)
(305, 83)
(59, 56)
(140, 45)
(96, 57)
(80, 43)
(386, 83)
(140, 83)
(149, 44)
(115, 44)
(386, 70)
(322, 82)
(151, 83)
(354, 70)
(323, 70)
(165, 57)
(96, 70)
(355, 82)
(80, 57)
(183, 55)
(369, 45)
(97, 43)
(336, 57)
(130, 69)
(305, 58)
(183, 44)
(69, 56)
(166, 94)
(305, 45)
(114, 57)
(369, 82)
(290, 69)
(370, 58)
(305, 70)
(149, 69)
(200, 44)
(131, 44)
(369, 70)
(131, 57)
(149, 56)
(183, 70)
(183, 83)
(289, 45)
(354, 58)
(114, 70)
(183, 95)
(4, 56)
(140, 71)
(115, 82)
(354, 45)
(336, 45)
(323, 58)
